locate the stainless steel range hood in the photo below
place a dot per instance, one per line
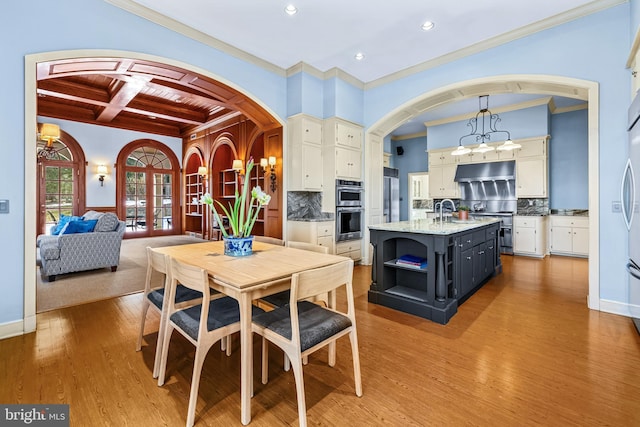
(493, 171)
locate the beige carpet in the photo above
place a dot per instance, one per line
(88, 286)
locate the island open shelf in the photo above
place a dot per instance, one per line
(457, 260)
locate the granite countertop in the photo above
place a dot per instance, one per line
(570, 212)
(323, 216)
(428, 226)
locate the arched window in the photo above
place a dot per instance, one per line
(148, 194)
(61, 182)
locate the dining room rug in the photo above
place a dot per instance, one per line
(95, 285)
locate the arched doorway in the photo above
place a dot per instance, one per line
(148, 190)
(61, 181)
(527, 83)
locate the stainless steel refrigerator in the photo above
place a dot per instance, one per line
(391, 193)
(630, 196)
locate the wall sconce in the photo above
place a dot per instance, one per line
(264, 163)
(272, 167)
(102, 171)
(202, 171)
(238, 166)
(49, 133)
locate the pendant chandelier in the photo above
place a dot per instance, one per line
(483, 134)
(49, 133)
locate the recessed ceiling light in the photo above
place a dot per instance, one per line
(359, 56)
(152, 117)
(291, 10)
(428, 25)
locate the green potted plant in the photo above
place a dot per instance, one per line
(463, 212)
(242, 215)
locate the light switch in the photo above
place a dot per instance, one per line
(4, 206)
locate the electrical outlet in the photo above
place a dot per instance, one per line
(616, 207)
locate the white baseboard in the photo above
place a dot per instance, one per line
(12, 329)
(615, 307)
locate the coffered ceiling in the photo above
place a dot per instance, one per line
(140, 95)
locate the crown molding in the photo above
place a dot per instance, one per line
(578, 107)
(185, 30)
(303, 67)
(545, 24)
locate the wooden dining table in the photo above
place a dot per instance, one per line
(267, 271)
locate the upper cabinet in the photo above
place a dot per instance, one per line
(342, 150)
(305, 149)
(532, 168)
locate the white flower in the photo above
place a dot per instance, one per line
(262, 197)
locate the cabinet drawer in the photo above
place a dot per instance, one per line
(325, 229)
(490, 234)
(524, 222)
(343, 248)
(466, 241)
(326, 241)
(569, 221)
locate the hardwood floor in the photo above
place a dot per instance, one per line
(524, 350)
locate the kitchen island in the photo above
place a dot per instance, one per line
(429, 268)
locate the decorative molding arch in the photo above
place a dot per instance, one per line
(516, 83)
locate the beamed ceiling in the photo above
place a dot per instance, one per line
(141, 95)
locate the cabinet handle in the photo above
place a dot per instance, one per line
(480, 252)
(469, 258)
(490, 247)
(469, 241)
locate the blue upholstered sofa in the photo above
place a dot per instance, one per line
(80, 251)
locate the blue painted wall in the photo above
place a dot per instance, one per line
(414, 159)
(569, 161)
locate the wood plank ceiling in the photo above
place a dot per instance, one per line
(141, 95)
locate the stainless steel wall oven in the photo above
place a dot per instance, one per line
(349, 210)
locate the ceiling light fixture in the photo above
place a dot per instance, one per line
(291, 10)
(428, 25)
(484, 134)
(359, 56)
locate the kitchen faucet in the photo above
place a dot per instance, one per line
(442, 203)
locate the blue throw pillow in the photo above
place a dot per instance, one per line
(80, 226)
(64, 220)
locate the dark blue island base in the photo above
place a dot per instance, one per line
(427, 270)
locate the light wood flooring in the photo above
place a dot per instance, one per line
(524, 350)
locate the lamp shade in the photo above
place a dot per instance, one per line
(102, 170)
(272, 161)
(237, 165)
(264, 162)
(49, 131)
(202, 171)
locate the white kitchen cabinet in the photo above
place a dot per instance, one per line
(350, 248)
(348, 135)
(569, 235)
(441, 183)
(529, 236)
(342, 143)
(442, 157)
(348, 164)
(531, 147)
(305, 153)
(531, 177)
(419, 185)
(315, 232)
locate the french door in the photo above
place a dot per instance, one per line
(149, 182)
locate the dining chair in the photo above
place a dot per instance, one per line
(266, 239)
(202, 325)
(154, 297)
(302, 327)
(281, 299)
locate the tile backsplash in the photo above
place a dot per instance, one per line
(304, 204)
(533, 206)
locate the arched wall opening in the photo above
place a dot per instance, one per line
(30, 119)
(526, 84)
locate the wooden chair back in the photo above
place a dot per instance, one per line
(307, 246)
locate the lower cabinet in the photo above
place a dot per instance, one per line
(529, 236)
(569, 235)
(315, 232)
(478, 260)
(350, 248)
